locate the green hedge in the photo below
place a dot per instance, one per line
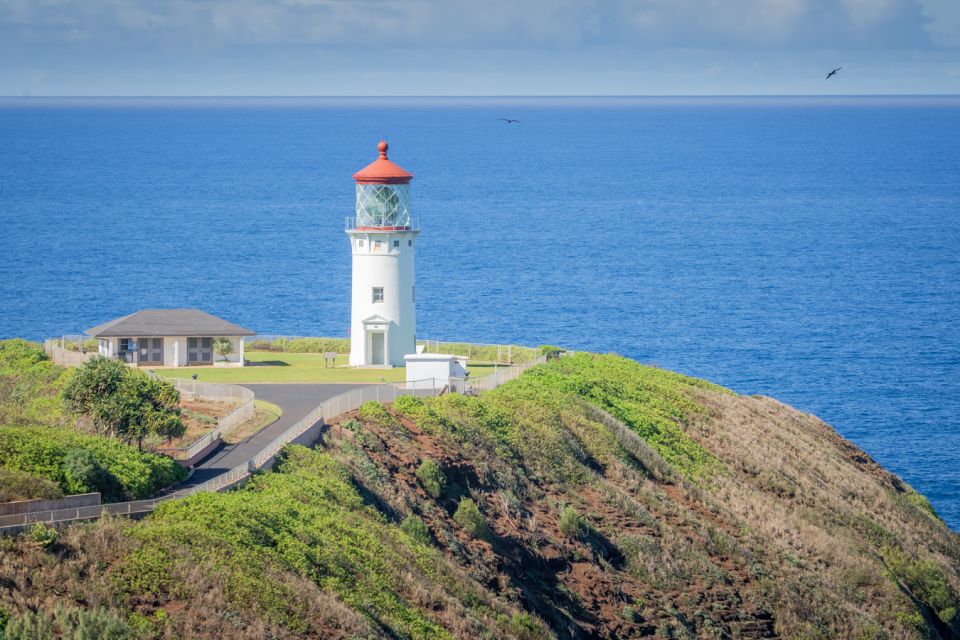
(301, 345)
(483, 352)
(48, 451)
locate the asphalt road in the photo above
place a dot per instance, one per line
(296, 401)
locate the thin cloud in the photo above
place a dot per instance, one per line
(495, 24)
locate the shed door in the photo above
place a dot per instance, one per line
(151, 350)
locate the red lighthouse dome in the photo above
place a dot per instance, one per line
(382, 170)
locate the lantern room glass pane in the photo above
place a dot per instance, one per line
(383, 205)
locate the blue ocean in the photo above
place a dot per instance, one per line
(803, 248)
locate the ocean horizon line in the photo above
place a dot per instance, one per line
(514, 100)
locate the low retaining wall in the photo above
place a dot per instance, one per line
(196, 455)
(30, 506)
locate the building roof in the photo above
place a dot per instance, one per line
(158, 323)
(382, 170)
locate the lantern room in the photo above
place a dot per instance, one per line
(383, 194)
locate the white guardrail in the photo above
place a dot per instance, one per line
(217, 393)
(328, 410)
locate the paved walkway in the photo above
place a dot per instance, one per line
(296, 401)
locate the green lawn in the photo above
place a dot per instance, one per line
(269, 366)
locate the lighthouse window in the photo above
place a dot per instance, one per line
(409, 243)
(378, 294)
(360, 243)
(396, 243)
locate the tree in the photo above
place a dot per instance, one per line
(123, 402)
(223, 347)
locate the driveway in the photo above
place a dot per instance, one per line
(296, 401)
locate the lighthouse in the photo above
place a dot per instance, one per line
(383, 317)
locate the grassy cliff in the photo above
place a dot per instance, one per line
(592, 497)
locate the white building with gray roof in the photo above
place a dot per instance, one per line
(170, 338)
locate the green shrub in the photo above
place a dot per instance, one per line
(41, 451)
(301, 345)
(83, 473)
(526, 627)
(431, 477)
(484, 352)
(4, 618)
(410, 406)
(18, 485)
(44, 536)
(571, 525)
(468, 516)
(373, 411)
(415, 527)
(927, 582)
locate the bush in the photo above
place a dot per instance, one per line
(41, 451)
(410, 406)
(415, 527)
(526, 627)
(927, 582)
(468, 516)
(571, 524)
(431, 477)
(374, 411)
(19, 485)
(83, 473)
(44, 536)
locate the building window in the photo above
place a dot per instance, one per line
(127, 344)
(409, 243)
(360, 243)
(396, 243)
(378, 294)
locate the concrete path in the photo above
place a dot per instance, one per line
(296, 401)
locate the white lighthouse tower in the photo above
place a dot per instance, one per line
(383, 316)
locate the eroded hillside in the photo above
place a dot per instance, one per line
(592, 497)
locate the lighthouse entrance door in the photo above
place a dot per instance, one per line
(377, 348)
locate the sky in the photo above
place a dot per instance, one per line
(477, 47)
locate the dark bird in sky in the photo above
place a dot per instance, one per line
(833, 73)
(510, 120)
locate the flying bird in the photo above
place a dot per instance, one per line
(833, 73)
(510, 120)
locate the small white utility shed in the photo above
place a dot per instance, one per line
(433, 370)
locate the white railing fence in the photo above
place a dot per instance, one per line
(328, 410)
(65, 357)
(215, 392)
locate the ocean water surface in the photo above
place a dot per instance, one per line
(803, 248)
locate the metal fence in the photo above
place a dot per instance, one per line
(65, 357)
(328, 410)
(218, 393)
